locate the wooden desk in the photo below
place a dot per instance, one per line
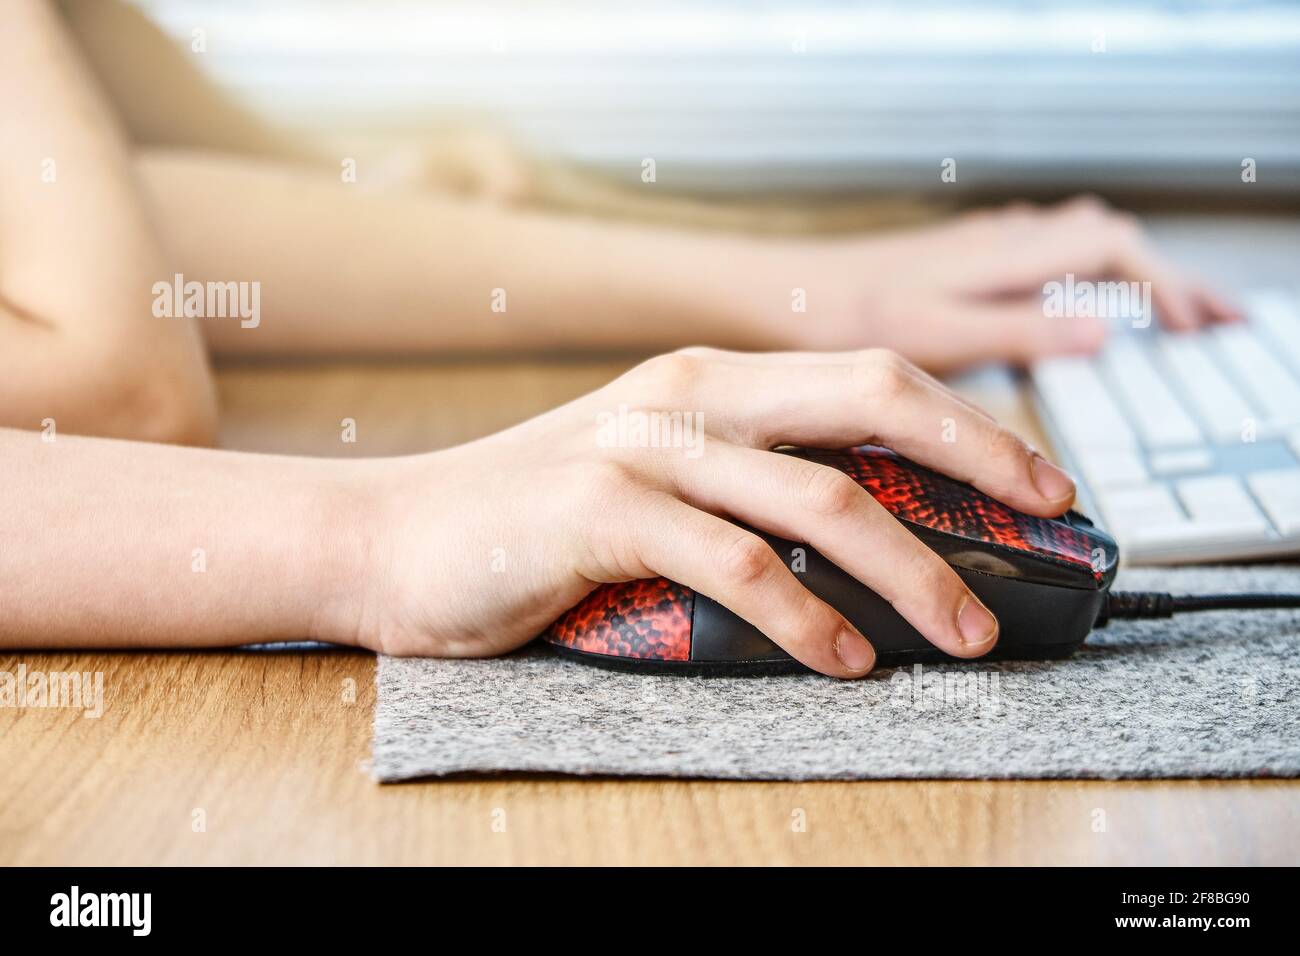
(271, 748)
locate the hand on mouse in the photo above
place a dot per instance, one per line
(969, 289)
(474, 550)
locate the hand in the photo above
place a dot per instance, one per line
(474, 550)
(971, 289)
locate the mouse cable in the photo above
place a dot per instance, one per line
(1148, 604)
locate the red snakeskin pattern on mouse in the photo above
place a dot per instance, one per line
(649, 619)
(914, 493)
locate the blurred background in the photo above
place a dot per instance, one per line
(1137, 99)
(784, 117)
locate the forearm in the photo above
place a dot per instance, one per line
(119, 544)
(346, 269)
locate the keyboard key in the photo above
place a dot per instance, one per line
(1156, 412)
(1111, 467)
(1081, 406)
(1156, 425)
(1180, 461)
(1150, 519)
(1218, 403)
(1279, 492)
(1127, 507)
(1267, 381)
(1220, 499)
(1276, 317)
(1190, 536)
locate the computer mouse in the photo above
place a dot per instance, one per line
(1046, 580)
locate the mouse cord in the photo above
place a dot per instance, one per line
(1147, 604)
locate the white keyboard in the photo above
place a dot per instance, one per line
(1187, 446)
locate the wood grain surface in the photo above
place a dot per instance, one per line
(271, 749)
(251, 757)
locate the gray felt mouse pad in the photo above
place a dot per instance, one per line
(1215, 694)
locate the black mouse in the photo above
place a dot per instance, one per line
(1046, 580)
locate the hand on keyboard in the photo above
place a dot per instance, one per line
(1188, 445)
(971, 289)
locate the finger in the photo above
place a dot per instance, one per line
(1083, 237)
(1012, 330)
(1018, 331)
(811, 358)
(806, 501)
(1175, 304)
(1218, 307)
(741, 572)
(871, 397)
(1114, 243)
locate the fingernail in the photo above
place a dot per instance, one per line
(853, 650)
(975, 624)
(1052, 483)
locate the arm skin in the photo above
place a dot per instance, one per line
(346, 268)
(413, 270)
(472, 551)
(78, 258)
(354, 268)
(99, 540)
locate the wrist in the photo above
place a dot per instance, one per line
(819, 294)
(777, 286)
(340, 536)
(760, 278)
(673, 288)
